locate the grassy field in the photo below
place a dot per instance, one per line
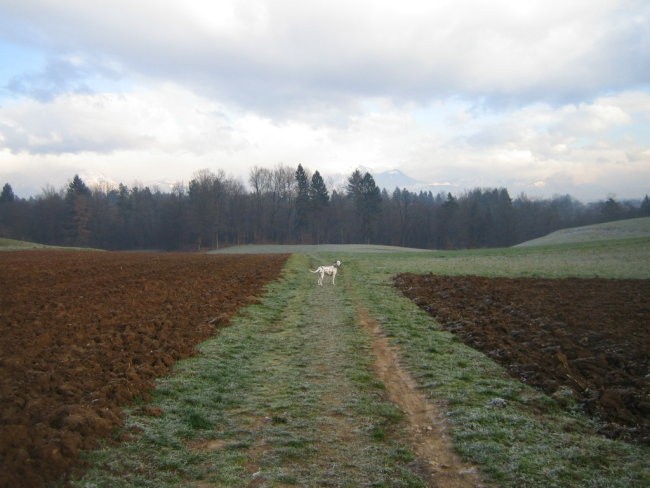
(314, 249)
(620, 229)
(287, 395)
(14, 245)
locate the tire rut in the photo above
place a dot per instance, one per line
(427, 425)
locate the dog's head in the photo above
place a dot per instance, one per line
(337, 264)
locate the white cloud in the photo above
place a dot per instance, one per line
(166, 133)
(540, 148)
(163, 118)
(276, 56)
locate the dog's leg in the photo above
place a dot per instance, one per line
(320, 273)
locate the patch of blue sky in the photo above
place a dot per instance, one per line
(108, 81)
(455, 116)
(16, 60)
(29, 72)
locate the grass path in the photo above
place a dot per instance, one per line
(287, 396)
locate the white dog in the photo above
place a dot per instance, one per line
(327, 270)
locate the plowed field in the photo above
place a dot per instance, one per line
(586, 336)
(82, 334)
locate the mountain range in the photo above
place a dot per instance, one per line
(389, 180)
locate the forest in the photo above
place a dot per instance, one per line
(286, 205)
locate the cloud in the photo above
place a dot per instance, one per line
(60, 76)
(277, 57)
(538, 148)
(166, 118)
(528, 95)
(165, 132)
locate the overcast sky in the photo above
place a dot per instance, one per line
(542, 97)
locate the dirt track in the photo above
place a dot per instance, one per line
(84, 333)
(589, 335)
(428, 426)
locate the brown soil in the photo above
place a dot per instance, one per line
(586, 336)
(83, 334)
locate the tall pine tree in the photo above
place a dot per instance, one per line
(302, 202)
(77, 201)
(369, 206)
(318, 193)
(319, 199)
(7, 194)
(366, 197)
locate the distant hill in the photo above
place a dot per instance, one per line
(313, 248)
(14, 245)
(619, 229)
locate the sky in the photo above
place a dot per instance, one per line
(542, 97)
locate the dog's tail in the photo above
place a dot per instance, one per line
(314, 271)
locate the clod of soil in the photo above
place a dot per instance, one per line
(84, 333)
(583, 338)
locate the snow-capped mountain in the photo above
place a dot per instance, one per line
(389, 180)
(396, 179)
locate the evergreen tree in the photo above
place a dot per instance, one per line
(124, 219)
(354, 185)
(366, 197)
(78, 212)
(7, 194)
(645, 206)
(76, 188)
(369, 206)
(7, 222)
(302, 201)
(318, 194)
(448, 236)
(611, 210)
(353, 193)
(319, 200)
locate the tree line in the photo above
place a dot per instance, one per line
(284, 205)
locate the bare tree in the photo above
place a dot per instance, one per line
(206, 194)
